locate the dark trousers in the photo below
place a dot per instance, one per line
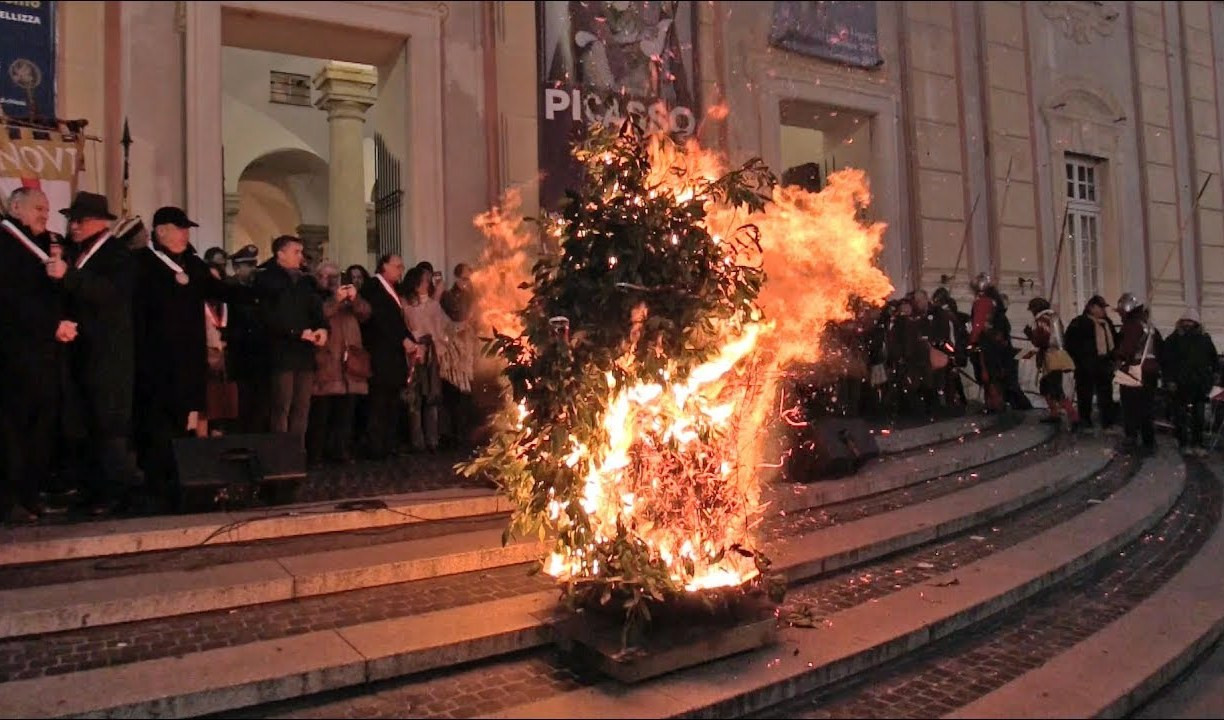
(461, 416)
(27, 439)
(1188, 417)
(1138, 413)
(159, 427)
(1095, 379)
(291, 393)
(382, 432)
(254, 406)
(331, 427)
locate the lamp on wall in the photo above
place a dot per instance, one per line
(1026, 283)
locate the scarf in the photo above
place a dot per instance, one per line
(1104, 338)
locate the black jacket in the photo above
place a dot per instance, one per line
(171, 345)
(1189, 359)
(290, 305)
(1079, 340)
(99, 299)
(33, 309)
(383, 335)
(246, 337)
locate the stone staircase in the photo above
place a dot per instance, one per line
(410, 605)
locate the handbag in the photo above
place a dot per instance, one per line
(356, 362)
(1058, 360)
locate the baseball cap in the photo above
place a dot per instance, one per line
(170, 215)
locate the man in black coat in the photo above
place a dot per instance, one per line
(98, 285)
(171, 347)
(33, 329)
(1090, 340)
(386, 337)
(293, 315)
(246, 349)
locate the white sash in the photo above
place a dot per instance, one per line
(178, 269)
(29, 244)
(97, 245)
(391, 291)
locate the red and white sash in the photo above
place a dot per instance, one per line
(80, 263)
(390, 291)
(218, 321)
(179, 272)
(29, 244)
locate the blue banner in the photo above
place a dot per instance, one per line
(27, 58)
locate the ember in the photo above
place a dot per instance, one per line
(633, 439)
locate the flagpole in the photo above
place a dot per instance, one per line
(127, 148)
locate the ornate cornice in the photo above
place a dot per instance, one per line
(1082, 22)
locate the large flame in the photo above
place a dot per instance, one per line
(681, 466)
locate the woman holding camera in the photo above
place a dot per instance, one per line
(343, 369)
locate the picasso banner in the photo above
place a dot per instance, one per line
(47, 159)
(605, 61)
(27, 58)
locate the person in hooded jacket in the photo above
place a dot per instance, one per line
(1187, 363)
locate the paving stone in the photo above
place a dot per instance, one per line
(1055, 621)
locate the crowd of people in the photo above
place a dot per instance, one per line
(112, 347)
(915, 356)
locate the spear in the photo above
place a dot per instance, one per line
(127, 151)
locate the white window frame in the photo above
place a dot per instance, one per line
(1082, 192)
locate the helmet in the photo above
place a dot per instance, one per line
(1038, 305)
(1127, 304)
(981, 282)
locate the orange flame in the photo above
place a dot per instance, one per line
(681, 466)
(504, 265)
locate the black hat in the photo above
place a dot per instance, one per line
(246, 255)
(88, 205)
(215, 256)
(172, 216)
(1038, 305)
(1098, 301)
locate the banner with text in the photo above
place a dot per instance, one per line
(604, 61)
(843, 32)
(27, 58)
(49, 160)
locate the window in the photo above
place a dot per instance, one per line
(1084, 226)
(289, 89)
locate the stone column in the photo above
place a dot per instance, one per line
(231, 214)
(346, 91)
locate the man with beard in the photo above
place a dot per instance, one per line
(99, 285)
(33, 329)
(172, 286)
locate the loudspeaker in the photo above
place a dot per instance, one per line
(236, 471)
(829, 448)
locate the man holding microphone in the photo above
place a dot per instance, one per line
(33, 329)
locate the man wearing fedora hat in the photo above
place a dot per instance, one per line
(98, 289)
(172, 286)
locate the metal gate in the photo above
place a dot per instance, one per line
(388, 198)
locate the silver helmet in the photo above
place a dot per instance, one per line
(1127, 304)
(981, 282)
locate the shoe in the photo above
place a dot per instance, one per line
(20, 515)
(1050, 419)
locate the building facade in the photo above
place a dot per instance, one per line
(995, 134)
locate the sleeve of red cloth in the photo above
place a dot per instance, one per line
(983, 308)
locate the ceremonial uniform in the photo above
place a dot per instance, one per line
(30, 363)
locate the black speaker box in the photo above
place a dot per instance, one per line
(236, 471)
(829, 448)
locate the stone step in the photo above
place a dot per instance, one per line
(56, 543)
(453, 636)
(1103, 676)
(868, 635)
(128, 598)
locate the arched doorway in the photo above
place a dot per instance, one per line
(283, 192)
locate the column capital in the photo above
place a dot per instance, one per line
(346, 89)
(231, 205)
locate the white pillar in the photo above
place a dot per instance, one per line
(346, 92)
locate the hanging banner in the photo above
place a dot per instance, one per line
(605, 61)
(27, 58)
(50, 160)
(843, 32)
